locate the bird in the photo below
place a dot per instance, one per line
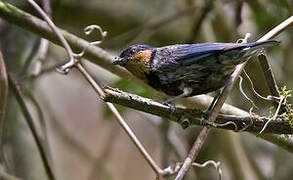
(185, 70)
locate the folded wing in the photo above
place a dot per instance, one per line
(197, 61)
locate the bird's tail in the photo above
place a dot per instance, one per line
(240, 54)
(262, 44)
(253, 47)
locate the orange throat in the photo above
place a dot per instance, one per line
(139, 65)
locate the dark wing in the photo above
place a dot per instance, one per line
(197, 62)
(194, 61)
(197, 52)
(188, 54)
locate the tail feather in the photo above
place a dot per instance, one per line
(254, 47)
(240, 54)
(263, 44)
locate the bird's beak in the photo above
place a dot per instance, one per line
(119, 61)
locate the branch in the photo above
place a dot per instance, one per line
(92, 53)
(29, 120)
(122, 122)
(266, 68)
(74, 62)
(191, 117)
(269, 76)
(197, 145)
(3, 99)
(34, 24)
(221, 100)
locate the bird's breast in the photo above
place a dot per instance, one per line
(201, 81)
(139, 65)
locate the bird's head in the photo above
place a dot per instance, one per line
(132, 53)
(136, 59)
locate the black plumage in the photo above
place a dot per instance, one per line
(201, 68)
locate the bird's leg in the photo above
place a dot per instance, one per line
(186, 92)
(218, 92)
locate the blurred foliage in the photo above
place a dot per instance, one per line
(267, 14)
(287, 93)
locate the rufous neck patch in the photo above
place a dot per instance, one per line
(139, 65)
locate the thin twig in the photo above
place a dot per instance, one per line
(89, 29)
(269, 76)
(75, 63)
(196, 147)
(173, 170)
(275, 115)
(43, 126)
(253, 89)
(243, 93)
(20, 99)
(193, 153)
(121, 121)
(217, 165)
(26, 22)
(277, 30)
(42, 46)
(195, 116)
(226, 124)
(250, 123)
(93, 53)
(40, 56)
(33, 24)
(59, 35)
(203, 135)
(3, 99)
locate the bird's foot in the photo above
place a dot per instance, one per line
(171, 106)
(208, 111)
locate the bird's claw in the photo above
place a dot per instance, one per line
(64, 69)
(208, 111)
(171, 106)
